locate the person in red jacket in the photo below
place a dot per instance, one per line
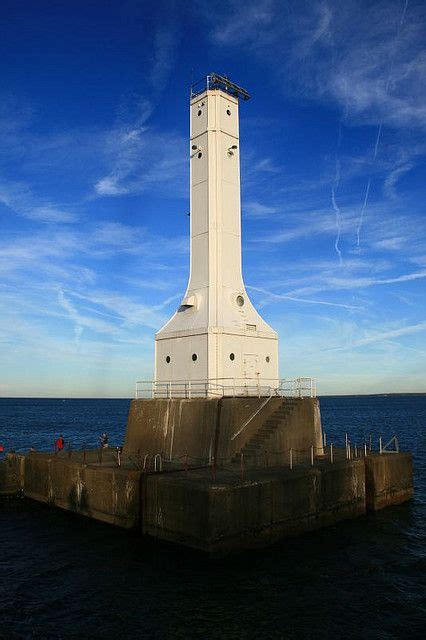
(60, 443)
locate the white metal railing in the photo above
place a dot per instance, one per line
(250, 418)
(384, 448)
(231, 387)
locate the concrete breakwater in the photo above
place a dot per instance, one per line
(213, 499)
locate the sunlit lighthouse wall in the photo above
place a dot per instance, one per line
(216, 335)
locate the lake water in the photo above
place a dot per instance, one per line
(62, 576)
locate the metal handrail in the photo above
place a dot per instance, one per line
(253, 415)
(394, 439)
(220, 387)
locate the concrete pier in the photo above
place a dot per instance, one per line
(190, 483)
(218, 514)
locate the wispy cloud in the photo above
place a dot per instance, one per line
(258, 210)
(144, 159)
(332, 283)
(277, 296)
(21, 200)
(394, 176)
(383, 336)
(340, 52)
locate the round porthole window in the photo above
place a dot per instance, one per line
(194, 357)
(199, 112)
(240, 301)
(267, 358)
(228, 111)
(199, 155)
(232, 356)
(168, 359)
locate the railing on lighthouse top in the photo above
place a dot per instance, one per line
(302, 387)
(216, 81)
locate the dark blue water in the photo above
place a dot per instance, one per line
(68, 577)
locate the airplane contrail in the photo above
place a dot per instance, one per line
(379, 130)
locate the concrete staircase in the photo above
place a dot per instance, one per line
(255, 446)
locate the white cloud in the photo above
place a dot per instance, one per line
(21, 200)
(255, 209)
(393, 177)
(367, 57)
(383, 336)
(277, 296)
(144, 160)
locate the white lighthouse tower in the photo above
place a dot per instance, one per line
(216, 340)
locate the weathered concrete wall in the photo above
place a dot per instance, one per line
(101, 492)
(389, 479)
(203, 428)
(270, 505)
(216, 515)
(174, 427)
(300, 430)
(12, 474)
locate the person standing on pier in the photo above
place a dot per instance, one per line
(104, 440)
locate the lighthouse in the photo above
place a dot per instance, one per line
(216, 339)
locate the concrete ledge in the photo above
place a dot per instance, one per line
(226, 514)
(12, 474)
(98, 491)
(389, 479)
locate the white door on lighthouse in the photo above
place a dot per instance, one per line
(250, 366)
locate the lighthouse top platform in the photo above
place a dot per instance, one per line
(223, 83)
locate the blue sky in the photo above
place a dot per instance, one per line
(94, 242)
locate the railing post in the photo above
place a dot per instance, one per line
(291, 458)
(158, 457)
(312, 456)
(189, 389)
(331, 453)
(365, 449)
(355, 451)
(170, 390)
(324, 439)
(380, 445)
